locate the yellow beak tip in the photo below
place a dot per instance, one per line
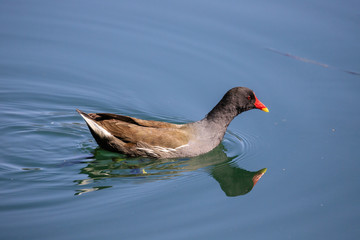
(265, 109)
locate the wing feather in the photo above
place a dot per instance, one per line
(137, 131)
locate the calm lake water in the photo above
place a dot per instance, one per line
(173, 61)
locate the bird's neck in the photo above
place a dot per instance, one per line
(213, 127)
(221, 115)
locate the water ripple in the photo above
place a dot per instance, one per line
(241, 145)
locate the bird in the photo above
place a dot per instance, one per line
(161, 140)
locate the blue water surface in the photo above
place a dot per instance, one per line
(173, 61)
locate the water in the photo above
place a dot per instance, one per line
(173, 61)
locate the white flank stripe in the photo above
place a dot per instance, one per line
(163, 149)
(146, 150)
(185, 145)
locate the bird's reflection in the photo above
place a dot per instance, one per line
(233, 180)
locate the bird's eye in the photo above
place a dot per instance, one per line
(249, 98)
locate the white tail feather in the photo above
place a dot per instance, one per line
(102, 132)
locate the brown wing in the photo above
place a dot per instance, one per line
(133, 130)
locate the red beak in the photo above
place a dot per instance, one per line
(260, 105)
(258, 175)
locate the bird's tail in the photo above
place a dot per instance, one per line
(96, 129)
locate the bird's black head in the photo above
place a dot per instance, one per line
(243, 99)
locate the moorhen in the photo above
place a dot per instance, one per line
(145, 138)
